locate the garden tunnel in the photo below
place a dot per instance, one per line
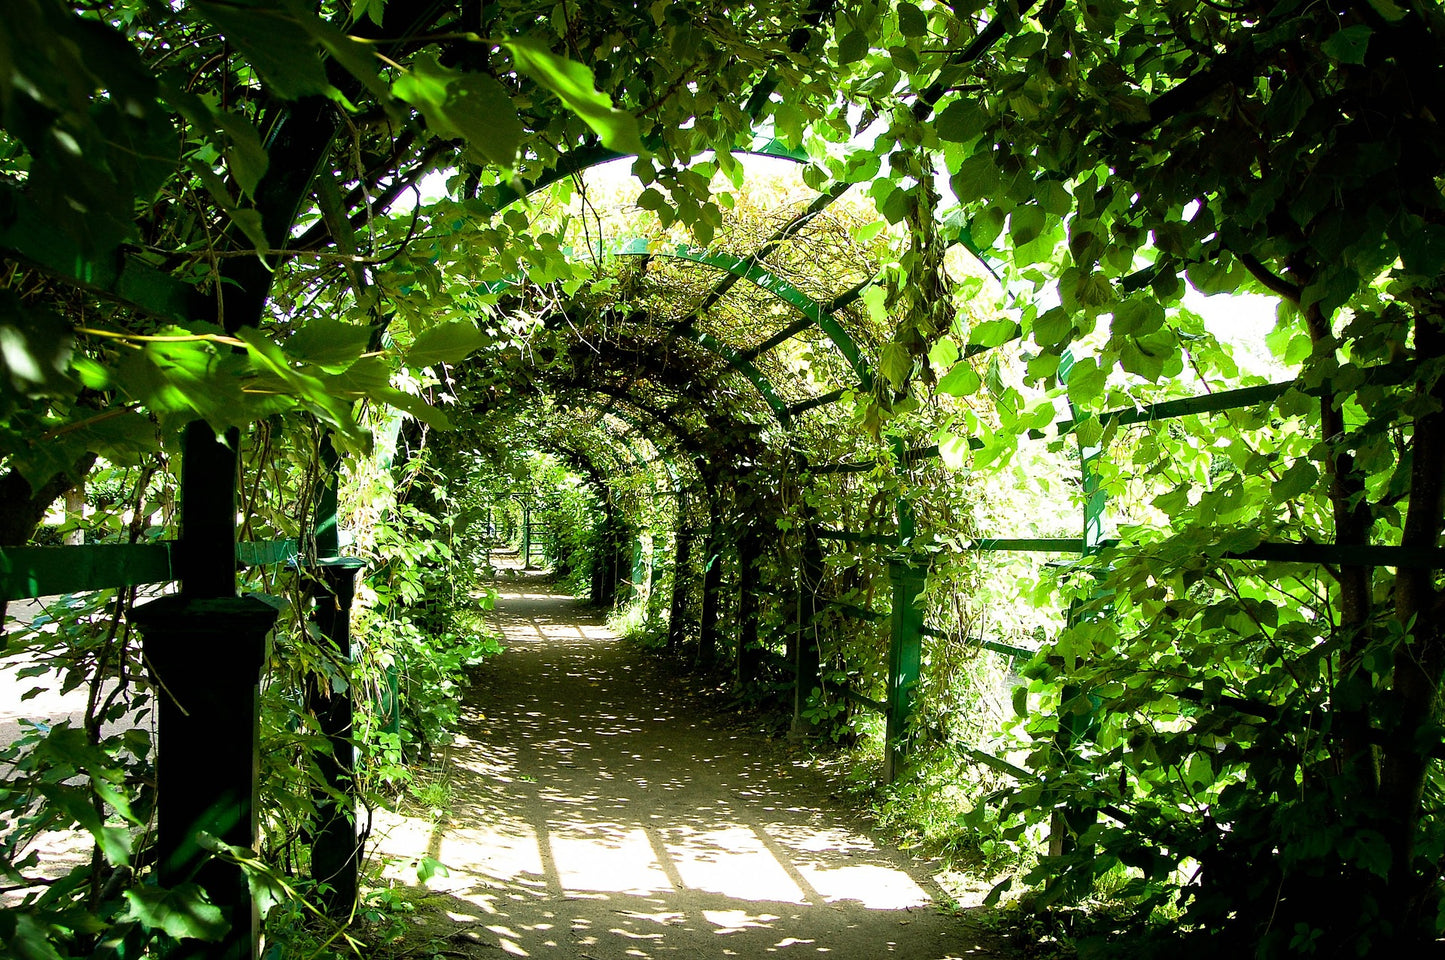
(916, 390)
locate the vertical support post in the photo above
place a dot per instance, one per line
(905, 647)
(637, 565)
(681, 582)
(807, 664)
(905, 661)
(711, 584)
(325, 530)
(335, 850)
(206, 656)
(207, 547)
(748, 653)
(206, 648)
(75, 511)
(600, 558)
(1075, 724)
(526, 535)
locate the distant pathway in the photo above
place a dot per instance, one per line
(598, 814)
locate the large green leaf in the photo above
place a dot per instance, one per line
(472, 106)
(183, 912)
(575, 86)
(446, 343)
(961, 381)
(269, 36)
(329, 342)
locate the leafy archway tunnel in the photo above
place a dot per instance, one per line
(863, 353)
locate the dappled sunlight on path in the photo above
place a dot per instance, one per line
(598, 814)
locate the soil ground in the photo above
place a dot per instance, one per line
(600, 810)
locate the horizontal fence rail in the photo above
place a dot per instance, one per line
(29, 572)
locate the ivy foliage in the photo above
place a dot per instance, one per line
(211, 211)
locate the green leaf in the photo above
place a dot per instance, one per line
(329, 342)
(1388, 9)
(245, 156)
(1331, 291)
(911, 20)
(31, 940)
(1422, 246)
(944, 353)
(1298, 480)
(1348, 45)
(357, 58)
(852, 47)
(1025, 224)
(993, 333)
(416, 406)
(895, 363)
(267, 889)
(1136, 316)
(303, 386)
(1054, 198)
(472, 106)
(35, 349)
(1086, 381)
(183, 912)
(961, 381)
(271, 38)
(999, 889)
(960, 122)
(446, 343)
(429, 867)
(575, 86)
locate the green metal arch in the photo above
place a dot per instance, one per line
(729, 354)
(767, 281)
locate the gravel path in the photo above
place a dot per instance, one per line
(600, 813)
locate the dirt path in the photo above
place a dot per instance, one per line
(598, 815)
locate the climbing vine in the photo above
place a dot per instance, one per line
(366, 227)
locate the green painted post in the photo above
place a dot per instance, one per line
(600, 555)
(206, 551)
(325, 530)
(711, 583)
(749, 655)
(1077, 725)
(206, 649)
(681, 585)
(807, 665)
(905, 647)
(638, 566)
(335, 847)
(526, 535)
(905, 661)
(206, 656)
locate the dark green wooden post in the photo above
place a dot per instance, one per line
(711, 584)
(1077, 725)
(681, 581)
(601, 561)
(637, 565)
(206, 648)
(526, 535)
(905, 647)
(621, 564)
(807, 664)
(206, 655)
(206, 551)
(905, 661)
(335, 848)
(749, 656)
